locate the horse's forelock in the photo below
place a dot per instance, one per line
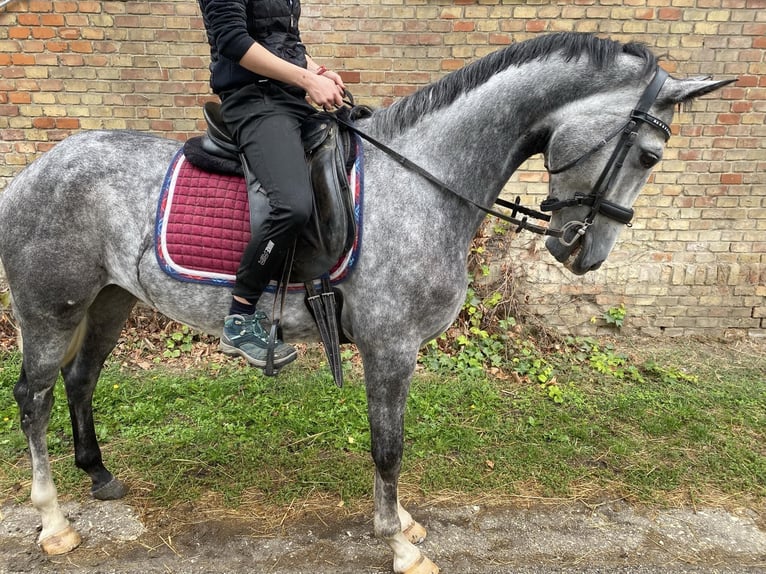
(600, 52)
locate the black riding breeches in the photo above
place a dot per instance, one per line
(265, 121)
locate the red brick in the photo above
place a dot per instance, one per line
(669, 13)
(89, 7)
(28, 19)
(56, 46)
(449, 65)
(350, 77)
(22, 59)
(499, 39)
(43, 33)
(62, 6)
(52, 20)
(43, 123)
(161, 125)
(536, 25)
(18, 33)
(731, 178)
(40, 6)
(758, 29)
(728, 119)
(8, 111)
(69, 33)
(19, 98)
(81, 46)
(71, 60)
(68, 123)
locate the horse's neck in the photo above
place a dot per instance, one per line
(476, 143)
(479, 140)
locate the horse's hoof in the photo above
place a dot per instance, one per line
(112, 490)
(62, 542)
(422, 566)
(415, 533)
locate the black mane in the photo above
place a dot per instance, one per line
(601, 52)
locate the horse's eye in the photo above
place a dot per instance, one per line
(648, 159)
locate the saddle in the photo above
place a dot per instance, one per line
(331, 230)
(329, 154)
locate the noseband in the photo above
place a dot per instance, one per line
(596, 199)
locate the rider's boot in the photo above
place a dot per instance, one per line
(244, 335)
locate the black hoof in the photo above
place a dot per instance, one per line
(112, 490)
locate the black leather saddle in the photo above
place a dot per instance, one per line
(329, 153)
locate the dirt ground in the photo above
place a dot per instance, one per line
(466, 539)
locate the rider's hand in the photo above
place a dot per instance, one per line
(325, 90)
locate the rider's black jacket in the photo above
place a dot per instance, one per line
(271, 23)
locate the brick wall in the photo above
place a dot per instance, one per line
(694, 261)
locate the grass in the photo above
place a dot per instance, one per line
(584, 420)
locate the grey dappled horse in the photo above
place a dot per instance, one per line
(76, 237)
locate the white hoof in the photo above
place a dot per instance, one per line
(422, 566)
(415, 533)
(62, 542)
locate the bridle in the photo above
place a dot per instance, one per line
(596, 199)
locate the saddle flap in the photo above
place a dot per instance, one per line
(332, 228)
(315, 129)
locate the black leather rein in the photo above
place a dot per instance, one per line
(596, 199)
(516, 207)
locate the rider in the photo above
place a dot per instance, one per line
(264, 77)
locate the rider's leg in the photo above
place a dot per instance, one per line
(265, 121)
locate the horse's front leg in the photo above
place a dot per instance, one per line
(34, 395)
(387, 377)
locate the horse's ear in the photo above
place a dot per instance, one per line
(677, 91)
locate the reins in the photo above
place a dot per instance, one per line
(515, 206)
(596, 199)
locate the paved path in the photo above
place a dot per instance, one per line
(611, 538)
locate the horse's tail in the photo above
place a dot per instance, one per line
(76, 342)
(6, 302)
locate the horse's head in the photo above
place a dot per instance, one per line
(599, 155)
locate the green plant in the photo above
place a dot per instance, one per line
(669, 374)
(226, 429)
(178, 342)
(530, 363)
(615, 316)
(471, 346)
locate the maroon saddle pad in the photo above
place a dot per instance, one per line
(203, 224)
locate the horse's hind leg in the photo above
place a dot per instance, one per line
(387, 378)
(103, 324)
(43, 350)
